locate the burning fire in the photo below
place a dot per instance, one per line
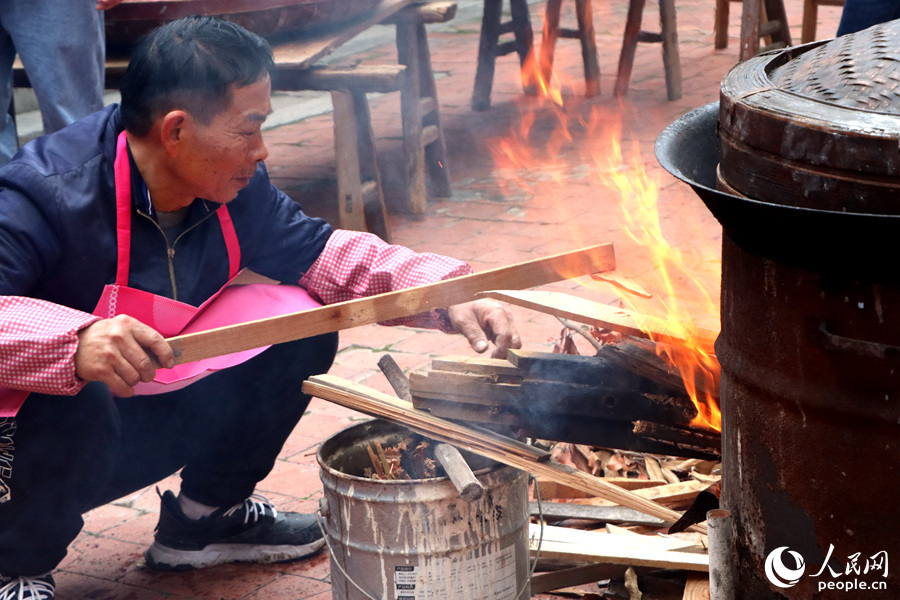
(534, 156)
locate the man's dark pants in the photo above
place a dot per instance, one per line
(74, 453)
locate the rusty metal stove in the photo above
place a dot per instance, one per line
(807, 153)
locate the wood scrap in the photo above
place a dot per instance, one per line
(607, 542)
(603, 315)
(623, 282)
(555, 580)
(622, 554)
(671, 494)
(552, 490)
(391, 305)
(478, 441)
(455, 466)
(688, 439)
(696, 587)
(644, 357)
(604, 514)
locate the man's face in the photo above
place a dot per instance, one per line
(223, 155)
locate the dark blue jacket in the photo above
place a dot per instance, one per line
(58, 226)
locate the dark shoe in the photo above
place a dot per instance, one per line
(252, 531)
(27, 588)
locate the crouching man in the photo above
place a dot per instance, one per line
(113, 232)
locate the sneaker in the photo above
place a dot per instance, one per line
(252, 531)
(27, 588)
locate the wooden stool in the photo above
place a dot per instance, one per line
(668, 37)
(490, 47)
(423, 136)
(585, 33)
(361, 205)
(810, 15)
(768, 19)
(763, 19)
(360, 194)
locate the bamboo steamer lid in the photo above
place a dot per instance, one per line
(817, 126)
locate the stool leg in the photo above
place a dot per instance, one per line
(487, 54)
(752, 9)
(521, 24)
(722, 9)
(629, 46)
(548, 42)
(810, 16)
(411, 112)
(775, 12)
(588, 47)
(360, 195)
(432, 131)
(671, 56)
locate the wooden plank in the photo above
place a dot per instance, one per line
(426, 12)
(621, 550)
(356, 78)
(391, 305)
(551, 489)
(622, 539)
(479, 441)
(609, 317)
(474, 365)
(297, 52)
(603, 514)
(307, 48)
(555, 580)
(669, 494)
(696, 587)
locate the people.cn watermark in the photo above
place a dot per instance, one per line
(859, 573)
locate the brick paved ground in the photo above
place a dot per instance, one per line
(500, 213)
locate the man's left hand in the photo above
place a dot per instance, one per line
(486, 320)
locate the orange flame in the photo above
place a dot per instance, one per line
(681, 292)
(693, 356)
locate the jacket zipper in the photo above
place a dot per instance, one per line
(170, 248)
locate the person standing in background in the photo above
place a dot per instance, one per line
(62, 46)
(862, 14)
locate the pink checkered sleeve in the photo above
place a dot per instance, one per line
(38, 340)
(355, 264)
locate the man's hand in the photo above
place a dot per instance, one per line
(483, 320)
(115, 351)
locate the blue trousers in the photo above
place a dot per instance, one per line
(63, 455)
(62, 46)
(862, 14)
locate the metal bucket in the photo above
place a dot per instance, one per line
(417, 539)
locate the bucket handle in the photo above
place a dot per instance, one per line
(831, 341)
(323, 511)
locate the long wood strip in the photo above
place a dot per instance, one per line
(603, 315)
(664, 559)
(392, 305)
(496, 447)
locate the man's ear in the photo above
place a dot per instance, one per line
(176, 130)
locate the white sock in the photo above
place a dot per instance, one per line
(193, 509)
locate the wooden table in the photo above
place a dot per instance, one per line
(293, 53)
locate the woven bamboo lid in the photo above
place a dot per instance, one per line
(817, 126)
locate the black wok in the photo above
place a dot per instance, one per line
(853, 246)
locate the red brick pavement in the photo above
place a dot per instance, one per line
(499, 214)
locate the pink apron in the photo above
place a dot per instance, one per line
(230, 305)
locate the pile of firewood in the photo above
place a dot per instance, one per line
(411, 458)
(591, 548)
